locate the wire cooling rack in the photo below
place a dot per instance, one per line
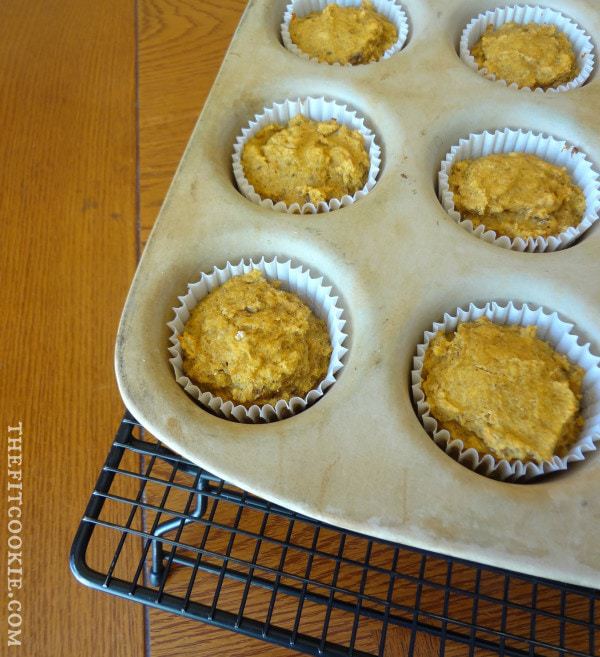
(189, 543)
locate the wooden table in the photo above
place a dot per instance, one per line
(98, 101)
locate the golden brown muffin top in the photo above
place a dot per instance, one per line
(306, 161)
(503, 391)
(516, 194)
(252, 343)
(344, 35)
(529, 55)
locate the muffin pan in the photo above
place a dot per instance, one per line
(359, 457)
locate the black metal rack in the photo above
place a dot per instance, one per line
(189, 543)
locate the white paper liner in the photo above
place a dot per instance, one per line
(554, 331)
(521, 14)
(555, 151)
(317, 109)
(387, 8)
(313, 291)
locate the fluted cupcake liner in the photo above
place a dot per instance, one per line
(319, 296)
(316, 109)
(559, 334)
(522, 14)
(553, 150)
(387, 8)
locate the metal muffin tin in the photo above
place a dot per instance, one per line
(359, 457)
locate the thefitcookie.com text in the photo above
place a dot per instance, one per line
(14, 503)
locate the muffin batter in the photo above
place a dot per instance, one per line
(251, 343)
(530, 55)
(503, 391)
(306, 161)
(347, 35)
(516, 194)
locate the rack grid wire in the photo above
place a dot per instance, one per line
(191, 544)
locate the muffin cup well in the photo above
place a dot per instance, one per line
(387, 8)
(312, 290)
(555, 151)
(522, 14)
(316, 109)
(558, 334)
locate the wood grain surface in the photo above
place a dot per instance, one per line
(67, 216)
(181, 46)
(83, 177)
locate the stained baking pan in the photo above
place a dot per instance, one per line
(399, 262)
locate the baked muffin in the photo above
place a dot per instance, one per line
(530, 55)
(251, 343)
(503, 391)
(516, 194)
(306, 161)
(343, 35)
